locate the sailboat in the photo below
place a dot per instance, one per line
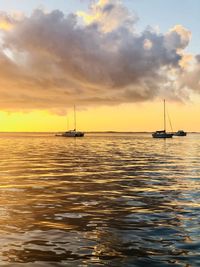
(72, 133)
(163, 133)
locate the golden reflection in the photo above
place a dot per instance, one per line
(54, 207)
(56, 225)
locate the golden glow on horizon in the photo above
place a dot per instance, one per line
(130, 117)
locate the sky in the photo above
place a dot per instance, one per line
(115, 60)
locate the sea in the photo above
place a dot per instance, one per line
(108, 199)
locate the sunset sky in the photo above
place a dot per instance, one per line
(115, 60)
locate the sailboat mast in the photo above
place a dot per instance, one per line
(164, 117)
(74, 118)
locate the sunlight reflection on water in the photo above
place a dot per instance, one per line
(102, 200)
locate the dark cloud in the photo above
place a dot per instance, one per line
(50, 60)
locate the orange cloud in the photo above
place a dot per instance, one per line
(187, 61)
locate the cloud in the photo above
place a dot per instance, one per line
(109, 15)
(178, 37)
(52, 60)
(190, 78)
(6, 22)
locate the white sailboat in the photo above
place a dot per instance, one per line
(163, 133)
(74, 132)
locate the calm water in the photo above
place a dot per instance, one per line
(103, 200)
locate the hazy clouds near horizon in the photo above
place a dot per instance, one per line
(50, 60)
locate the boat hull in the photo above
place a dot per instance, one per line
(180, 134)
(162, 135)
(71, 134)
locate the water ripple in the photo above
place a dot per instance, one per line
(104, 200)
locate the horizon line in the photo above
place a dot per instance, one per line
(2, 132)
